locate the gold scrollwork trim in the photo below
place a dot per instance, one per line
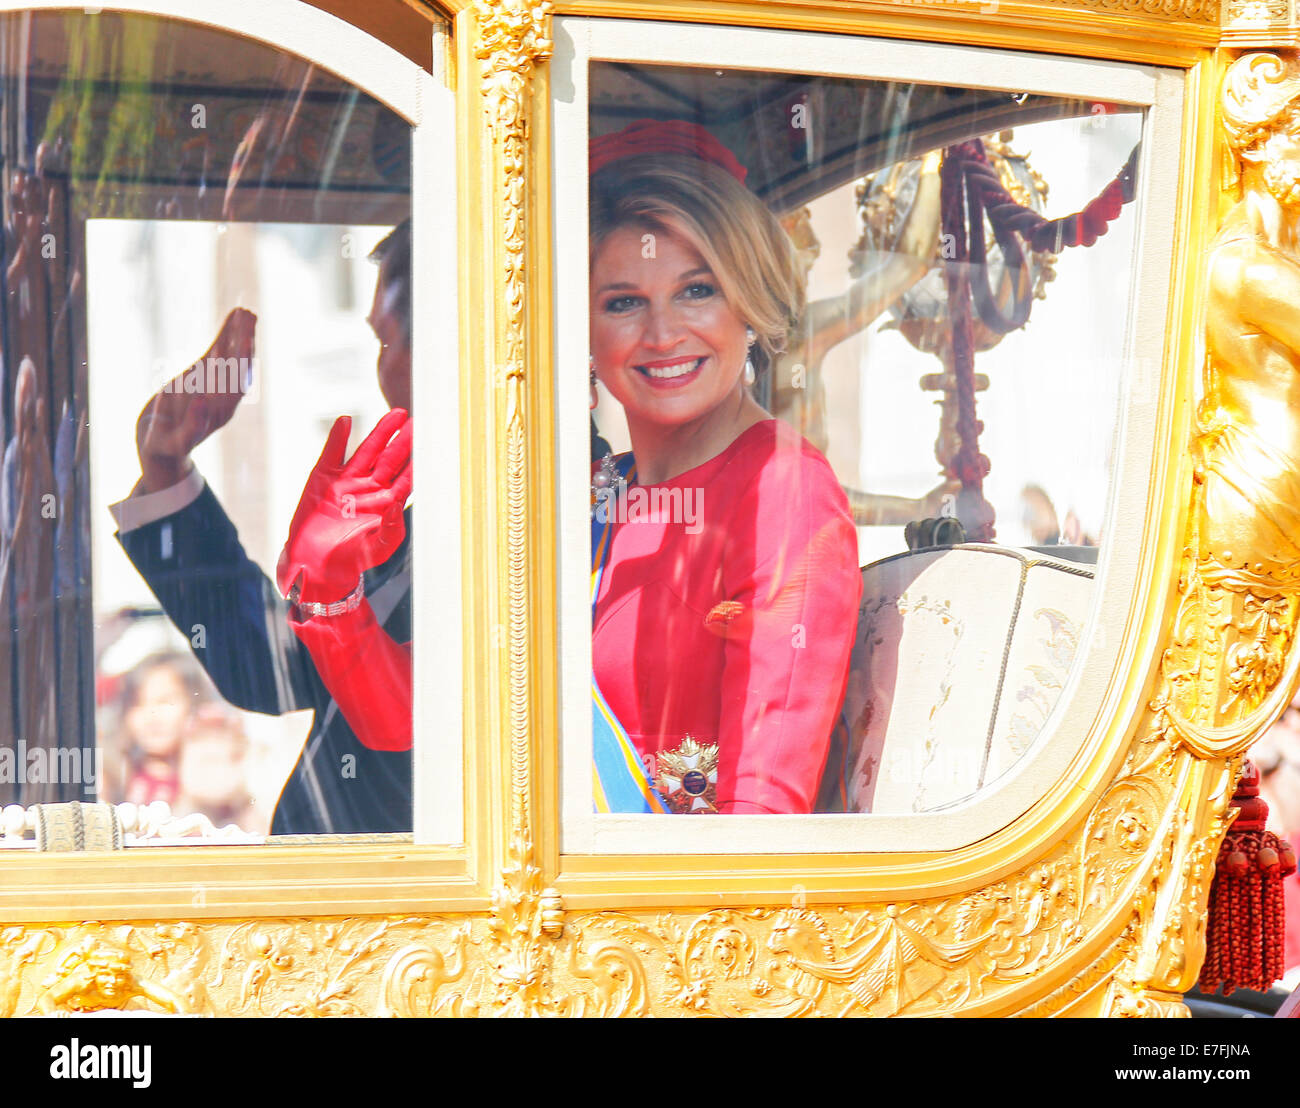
(1200, 11)
(1110, 918)
(513, 35)
(993, 950)
(846, 13)
(1260, 22)
(273, 967)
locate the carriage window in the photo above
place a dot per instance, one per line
(857, 364)
(205, 395)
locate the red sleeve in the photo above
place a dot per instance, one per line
(791, 576)
(366, 672)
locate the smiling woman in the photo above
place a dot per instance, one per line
(655, 295)
(721, 641)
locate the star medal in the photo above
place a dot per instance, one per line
(688, 777)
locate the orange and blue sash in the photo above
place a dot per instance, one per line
(619, 780)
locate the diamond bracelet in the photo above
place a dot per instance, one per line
(349, 603)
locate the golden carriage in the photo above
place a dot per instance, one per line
(1069, 878)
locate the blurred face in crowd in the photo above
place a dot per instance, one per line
(157, 718)
(212, 765)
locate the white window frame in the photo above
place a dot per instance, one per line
(1090, 689)
(429, 106)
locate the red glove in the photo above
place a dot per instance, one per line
(350, 516)
(366, 672)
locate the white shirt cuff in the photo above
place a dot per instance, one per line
(140, 509)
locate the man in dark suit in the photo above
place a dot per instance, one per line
(182, 542)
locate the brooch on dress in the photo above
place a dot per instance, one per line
(606, 482)
(688, 777)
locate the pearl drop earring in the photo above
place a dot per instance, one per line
(750, 339)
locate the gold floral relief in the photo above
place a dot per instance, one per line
(985, 951)
(1258, 22)
(981, 950)
(273, 967)
(1199, 11)
(513, 36)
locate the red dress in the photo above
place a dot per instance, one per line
(730, 613)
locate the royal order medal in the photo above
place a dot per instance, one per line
(688, 777)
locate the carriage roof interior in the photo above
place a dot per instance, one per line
(121, 91)
(858, 128)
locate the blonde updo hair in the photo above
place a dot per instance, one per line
(741, 241)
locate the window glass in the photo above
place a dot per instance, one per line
(206, 264)
(857, 357)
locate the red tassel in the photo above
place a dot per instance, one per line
(1246, 923)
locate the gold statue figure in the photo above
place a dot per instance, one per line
(1246, 542)
(92, 975)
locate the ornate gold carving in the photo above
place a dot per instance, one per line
(1231, 666)
(386, 966)
(521, 936)
(415, 974)
(92, 975)
(1129, 1003)
(982, 950)
(913, 959)
(1200, 11)
(1195, 11)
(526, 918)
(1260, 23)
(989, 950)
(513, 35)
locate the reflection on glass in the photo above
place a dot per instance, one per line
(855, 382)
(197, 267)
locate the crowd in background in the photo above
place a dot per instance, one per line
(166, 734)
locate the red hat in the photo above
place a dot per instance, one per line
(663, 136)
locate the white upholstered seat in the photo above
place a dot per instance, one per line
(961, 653)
